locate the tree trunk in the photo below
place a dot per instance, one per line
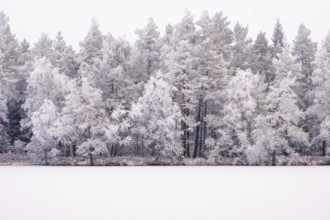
(74, 150)
(71, 150)
(137, 144)
(72, 153)
(142, 146)
(45, 157)
(205, 128)
(201, 132)
(274, 158)
(184, 126)
(183, 136)
(187, 137)
(114, 150)
(197, 149)
(248, 131)
(324, 149)
(91, 159)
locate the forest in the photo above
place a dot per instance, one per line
(202, 93)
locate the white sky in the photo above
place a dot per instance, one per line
(29, 18)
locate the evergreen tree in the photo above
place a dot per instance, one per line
(4, 139)
(319, 110)
(241, 48)
(304, 49)
(179, 62)
(285, 63)
(149, 44)
(66, 59)
(277, 39)
(9, 52)
(208, 84)
(10, 61)
(261, 58)
(44, 48)
(90, 47)
(221, 34)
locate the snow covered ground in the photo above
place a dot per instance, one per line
(165, 193)
(20, 160)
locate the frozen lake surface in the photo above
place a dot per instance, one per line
(165, 193)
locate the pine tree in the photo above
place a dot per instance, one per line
(209, 83)
(9, 61)
(285, 63)
(304, 49)
(44, 48)
(149, 45)
(241, 49)
(261, 58)
(20, 136)
(178, 61)
(66, 59)
(4, 139)
(113, 69)
(221, 34)
(319, 110)
(277, 39)
(90, 47)
(9, 50)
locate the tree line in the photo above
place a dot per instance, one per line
(200, 90)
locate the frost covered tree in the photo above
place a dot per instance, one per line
(277, 39)
(155, 117)
(112, 70)
(179, 61)
(44, 48)
(19, 136)
(261, 60)
(323, 135)
(149, 45)
(221, 34)
(240, 110)
(319, 110)
(9, 61)
(284, 63)
(278, 131)
(4, 139)
(42, 147)
(82, 120)
(241, 48)
(9, 53)
(65, 57)
(44, 82)
(209, 83)
(304, 49)
(112, 77)
(90, 47)
(40, 84)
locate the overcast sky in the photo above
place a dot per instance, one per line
(29, 18)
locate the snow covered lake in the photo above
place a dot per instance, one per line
(164, 193)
